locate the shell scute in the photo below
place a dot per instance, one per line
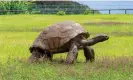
(57, 35)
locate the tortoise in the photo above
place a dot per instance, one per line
(67, 36)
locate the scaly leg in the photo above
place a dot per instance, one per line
(72, 54)
(89, 54)
(50, 56)
(34, 56)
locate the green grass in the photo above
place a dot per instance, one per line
(33, 22)
(114, 58)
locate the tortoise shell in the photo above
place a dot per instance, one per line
(55, 36)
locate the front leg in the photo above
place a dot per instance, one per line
(72, 54)
(89, 53)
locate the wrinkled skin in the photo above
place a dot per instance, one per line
(72, 47)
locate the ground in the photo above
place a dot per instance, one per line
(114, 58)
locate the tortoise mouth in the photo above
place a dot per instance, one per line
(106, 37)
(101, 38)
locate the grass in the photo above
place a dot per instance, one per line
(114, 58)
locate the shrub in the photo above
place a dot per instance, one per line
(86, 12)
(11, 7)
(60, 13)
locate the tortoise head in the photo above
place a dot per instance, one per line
(100, 38)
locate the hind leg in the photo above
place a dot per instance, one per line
(38, 54)
(89, 53)
(35, 56)
(50, 56)
(46, 56)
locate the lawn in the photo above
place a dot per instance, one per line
(114, 58)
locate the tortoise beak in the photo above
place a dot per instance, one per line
(107, 37)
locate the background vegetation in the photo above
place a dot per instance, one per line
(15, 7)
(114, 58)
(43, 7)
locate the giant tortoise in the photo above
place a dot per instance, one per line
(62, 37)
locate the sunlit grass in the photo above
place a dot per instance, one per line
(17, 44)
(31, 22)
(114, 58)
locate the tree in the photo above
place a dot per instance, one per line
(52, 7)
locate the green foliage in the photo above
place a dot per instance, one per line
(86, 12)
(60, 13)
(42, 7)
(52, 7)
(15, 7)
